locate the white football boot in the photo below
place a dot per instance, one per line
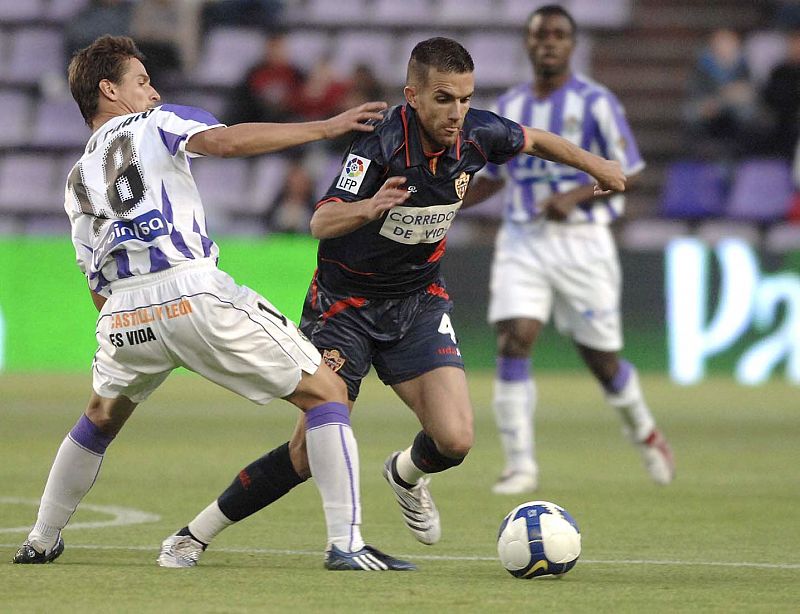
(416, 504)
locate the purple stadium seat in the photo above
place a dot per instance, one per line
(27, 185)
(58, 123)
(223, 183)
(62, 10)
(306, 47)
(693, 190)
(269, 174)
(338, 12)
(454, 12)
(15, 118)
(763, 51)
(407, 12)
(34, 53)
(374, 49)
(227, 55)
(499, 59)
(20, 10)
(761, 191)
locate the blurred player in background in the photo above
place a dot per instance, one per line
(378, 299)
(140, 238)
(555, 252)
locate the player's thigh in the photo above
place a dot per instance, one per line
(587, 304)
(440, 399)
(430, 342)
(236, 338)
(131, 358)
(346, 347)
(519, 286)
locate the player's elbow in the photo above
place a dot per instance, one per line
(217, 142)
(317, 228)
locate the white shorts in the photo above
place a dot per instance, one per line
(569, 269)
(195, 316)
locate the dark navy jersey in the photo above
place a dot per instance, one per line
(399, 253)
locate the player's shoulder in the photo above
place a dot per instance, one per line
(389, 135)
(589, 88)
(186, 113)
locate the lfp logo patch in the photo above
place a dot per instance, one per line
(353, 173)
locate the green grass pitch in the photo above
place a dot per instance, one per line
(724, 537)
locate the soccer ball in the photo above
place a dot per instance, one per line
(538, 538)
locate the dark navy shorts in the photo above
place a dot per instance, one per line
(402, 338)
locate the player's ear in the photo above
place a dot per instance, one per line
(410, 92)
(108, 89)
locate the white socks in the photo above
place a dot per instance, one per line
(629, 402)
(406, 468)
(209, 523)
(73, 472)
(333, 458)
(514, 406)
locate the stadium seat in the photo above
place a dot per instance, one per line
(403, 48)
(606, 14)
(58, 123)
(27, 185)
(693, 190)
(499, 59)
(14, 120)
(763, 50)
(223, 183)
(761, 190)
(407, 12)
(20, 10)
(33, 53)
(460, 13)
(268, 176)
(374, 49)
(352, 12)
(227, 55)
(62, 10)
(307, 47)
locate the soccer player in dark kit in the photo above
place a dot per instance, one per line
(377, 297)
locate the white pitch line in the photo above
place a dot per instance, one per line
(431, 557)
(121, 516)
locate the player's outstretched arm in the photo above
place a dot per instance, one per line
(335, 219)
(251, 139)
(549, 146)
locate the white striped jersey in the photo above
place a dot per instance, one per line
(131, 198)
(583, 112)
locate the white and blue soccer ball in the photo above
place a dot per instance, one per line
(538, 538)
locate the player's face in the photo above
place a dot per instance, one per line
(134, 89)
(441, 104)
(550, 44)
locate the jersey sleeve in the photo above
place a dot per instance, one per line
(615, 135)
(362, 172)
(500, 138)
(177, 124)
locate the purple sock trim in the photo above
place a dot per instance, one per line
(621, 378)
(327, 413)
(86, 434)
(513, 369)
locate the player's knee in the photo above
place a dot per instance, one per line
(109, 415)
(456, 444)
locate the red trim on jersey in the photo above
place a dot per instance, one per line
(439, 251)
(338, 306)
(480, 151)
(458, 145)
(344, 266)
(314, 290)
(524, 139)
(405, 134)
(332, 199)
(437, 290)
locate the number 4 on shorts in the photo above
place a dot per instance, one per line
(446, 328)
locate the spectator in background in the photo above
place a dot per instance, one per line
(292, 209)
(270, 89)
(99, 17)
(782, 98)
(721, 103)
(365, 85)
(322, 91)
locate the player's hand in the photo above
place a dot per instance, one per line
(353, 119)
(610, 178)
(558, 207)
(391, 194)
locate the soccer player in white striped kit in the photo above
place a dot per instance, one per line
(555, 252)
(140, 238)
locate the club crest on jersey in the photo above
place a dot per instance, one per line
(333, 359)
(353, 173)
(461, 184)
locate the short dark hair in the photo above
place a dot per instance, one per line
(104, 59)
(550, 10)
(443, 54)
